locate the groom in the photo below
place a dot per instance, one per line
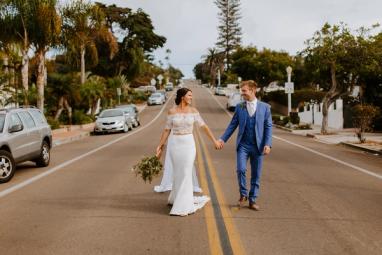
(254, 140)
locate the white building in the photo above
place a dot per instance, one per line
(312, 114)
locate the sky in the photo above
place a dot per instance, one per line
(190, 26)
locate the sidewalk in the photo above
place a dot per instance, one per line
(72, 133)
(345, 137)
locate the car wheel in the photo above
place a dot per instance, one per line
(125, 128)
(131, 126)
(44, 158)
(7, 166)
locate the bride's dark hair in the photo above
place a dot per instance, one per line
(179, 94)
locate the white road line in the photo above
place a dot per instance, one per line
(56, 168)
(360, 169)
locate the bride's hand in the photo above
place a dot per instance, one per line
(159, 151)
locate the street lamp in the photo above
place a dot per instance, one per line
(218, 77)
(289, 88)
(312, 104)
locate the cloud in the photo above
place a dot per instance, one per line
(190, 26)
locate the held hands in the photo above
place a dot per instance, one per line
(219, 144)
(267, 150)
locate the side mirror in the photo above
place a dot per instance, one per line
(16, 128)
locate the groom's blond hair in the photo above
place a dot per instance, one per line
(250, 83)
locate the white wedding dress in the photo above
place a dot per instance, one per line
(181, 153)
(167, 178)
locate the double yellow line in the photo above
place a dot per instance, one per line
(222, 233)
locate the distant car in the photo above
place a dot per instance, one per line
(169, 87)
(219, 91)
(131, 111)
(234, 100)
(156, 98)
(112, 120)
(163, 92)
(25, 135)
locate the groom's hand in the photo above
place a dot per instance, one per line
(267, 150)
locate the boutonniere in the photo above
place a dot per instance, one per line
(243, 105)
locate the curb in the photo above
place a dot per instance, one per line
(361, 148)
(70, 139)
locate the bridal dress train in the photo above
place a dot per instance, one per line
(182, 152)
(167, 179)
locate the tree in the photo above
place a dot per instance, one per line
(336, 56)
(263, 66)
(229, 28)
(92, 91)
(83, 24)
(61, 86)
(45, 30)
(14, 29)
(138, 40)
(214, 60)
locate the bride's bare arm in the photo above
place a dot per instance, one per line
(208, 132)
(162, 142)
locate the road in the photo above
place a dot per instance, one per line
(315, 198)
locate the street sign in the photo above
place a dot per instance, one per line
(153, 82)
(119, 91)
(289, 87)
(160, 77)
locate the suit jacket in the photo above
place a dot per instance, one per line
(263, 125)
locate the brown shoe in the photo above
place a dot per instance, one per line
(242, 200)
(254, 206)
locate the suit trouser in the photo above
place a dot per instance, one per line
(245, 152)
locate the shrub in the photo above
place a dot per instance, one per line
(80, 118)
(139, 97)
(363, 118)
(54, 124)
(294, 118)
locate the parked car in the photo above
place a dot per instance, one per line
(131, 111)
(163, 92)
(25, 135)
(169, 86)
(156, 98)
(112, 120)
(219, 91)
(234, 100)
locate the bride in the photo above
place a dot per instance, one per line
(182, 152)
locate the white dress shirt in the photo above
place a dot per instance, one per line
(251, 107)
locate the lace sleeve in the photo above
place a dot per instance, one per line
(199, 120)
(168, 123)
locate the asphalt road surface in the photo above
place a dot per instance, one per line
(315, 198)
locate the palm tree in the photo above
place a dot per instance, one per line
(45, 31)
(92, 91)
(214, 61)
(62, 87)
(83, 25)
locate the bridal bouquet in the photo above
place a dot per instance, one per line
(148, 168)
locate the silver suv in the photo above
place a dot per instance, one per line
(24, 135)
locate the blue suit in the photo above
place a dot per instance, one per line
(254, 133)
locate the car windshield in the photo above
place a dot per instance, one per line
(236, 96)
(156, 95)
(2, 120)
(128, 110)
(111, 113)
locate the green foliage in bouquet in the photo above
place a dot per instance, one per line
(148, 168)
